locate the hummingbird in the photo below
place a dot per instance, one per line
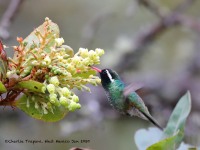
(124, 98)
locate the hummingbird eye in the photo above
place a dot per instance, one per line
(104, 72)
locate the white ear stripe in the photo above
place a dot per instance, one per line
(109, 76)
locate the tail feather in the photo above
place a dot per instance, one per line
(152, 120)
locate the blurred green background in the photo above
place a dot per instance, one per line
(116, 24)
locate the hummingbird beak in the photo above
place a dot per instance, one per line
(96, 69)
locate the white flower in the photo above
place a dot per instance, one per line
(59, 41)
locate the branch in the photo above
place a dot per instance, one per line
(189, 22)
(149, 35)
(183, 6)
(78, 148)
(153, 7)
(7, 17)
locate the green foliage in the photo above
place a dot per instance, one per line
(2, 88)
(44, 111)
(173, 134)
(166, 144)
(43, 72)
(30, 85)
(178, 118)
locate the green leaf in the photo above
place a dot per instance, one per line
(28, 106)
(2, 88)
(32, 39)
(166, 144)
(31, 85)
(178, 118)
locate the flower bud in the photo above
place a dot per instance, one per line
(57, 71)
(47, 19)
(73, 106)
(60, 58)
(76, 60)
(43, 63)
(43, 54)
(54, 80)
(63, 101)
(65, 56)
(67, 74)
(75, 98)
(92, 53)
(96, 59)
(51, 88)
(57, 103)
(99, 51)
(87, 61)
(98, 81)
(34, 62)
(83, 52)
(71, 69)
(47, 59)
(59, 41)
(65, 91)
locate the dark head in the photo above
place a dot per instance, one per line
(107, 76)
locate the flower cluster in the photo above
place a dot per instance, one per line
(61, 95)
(46, 60)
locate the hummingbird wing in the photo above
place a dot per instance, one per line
(137, 107)
(133, 87)
(139, 88)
